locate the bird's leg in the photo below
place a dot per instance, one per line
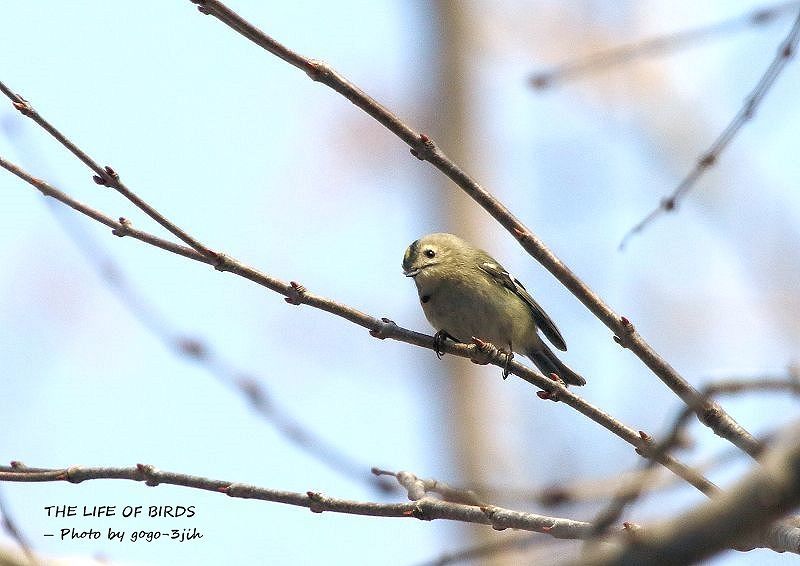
(509, 356)
(438, 340)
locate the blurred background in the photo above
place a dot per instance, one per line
(282, 173)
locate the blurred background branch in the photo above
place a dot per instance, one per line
(786, 51)
(296, 294)
(660, 45)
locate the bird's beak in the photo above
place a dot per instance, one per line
(411, 272)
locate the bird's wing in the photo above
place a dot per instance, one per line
(544, 322)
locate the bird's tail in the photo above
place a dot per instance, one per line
(544, 359)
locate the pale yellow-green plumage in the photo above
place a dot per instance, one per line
(465, 293)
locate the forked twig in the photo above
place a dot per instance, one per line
(737, 518)
(193, 348)
(297, 294)
(633, 490)
(105, 176)
(424, 148)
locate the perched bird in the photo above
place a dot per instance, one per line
(465, 293)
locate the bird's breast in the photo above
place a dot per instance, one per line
(464, 310)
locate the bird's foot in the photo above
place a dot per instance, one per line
(509, 356)
(551, 395)
(438, 341)
(483, 353)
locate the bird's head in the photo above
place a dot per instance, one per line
(432, 250)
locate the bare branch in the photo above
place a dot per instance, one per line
(418, 488)
(121, 227)
(657, 45)
(384, 328)
(790, 383)
(768, 492)
(745, 114)
(733, 519)
(424, 148)
(617, 485)
(602, 488)
(632, 491)
(193, 348)
(424, 508)
(105, 176)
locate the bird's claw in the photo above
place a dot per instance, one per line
(551, 395)
(506, 369)
(438, 341)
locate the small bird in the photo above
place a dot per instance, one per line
(466, 294)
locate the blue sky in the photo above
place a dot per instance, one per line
(259, 162)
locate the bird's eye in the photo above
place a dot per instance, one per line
(429, 253)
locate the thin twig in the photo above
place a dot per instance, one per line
(105, 176)
(384, 328)
(657, 45)
(121, 227)
(425, 508)
(424, 148)
(417, 488)
(744, 115)
(790, 383)
(766, 493)
(198, 350)
(633, 490)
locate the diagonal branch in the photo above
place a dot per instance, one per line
(790, 383)
(741, 514)
(621, 483)
(631, 492)
(424, 148)
(105, 176)
(745, 114)
(384, 328)
(197, 350)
